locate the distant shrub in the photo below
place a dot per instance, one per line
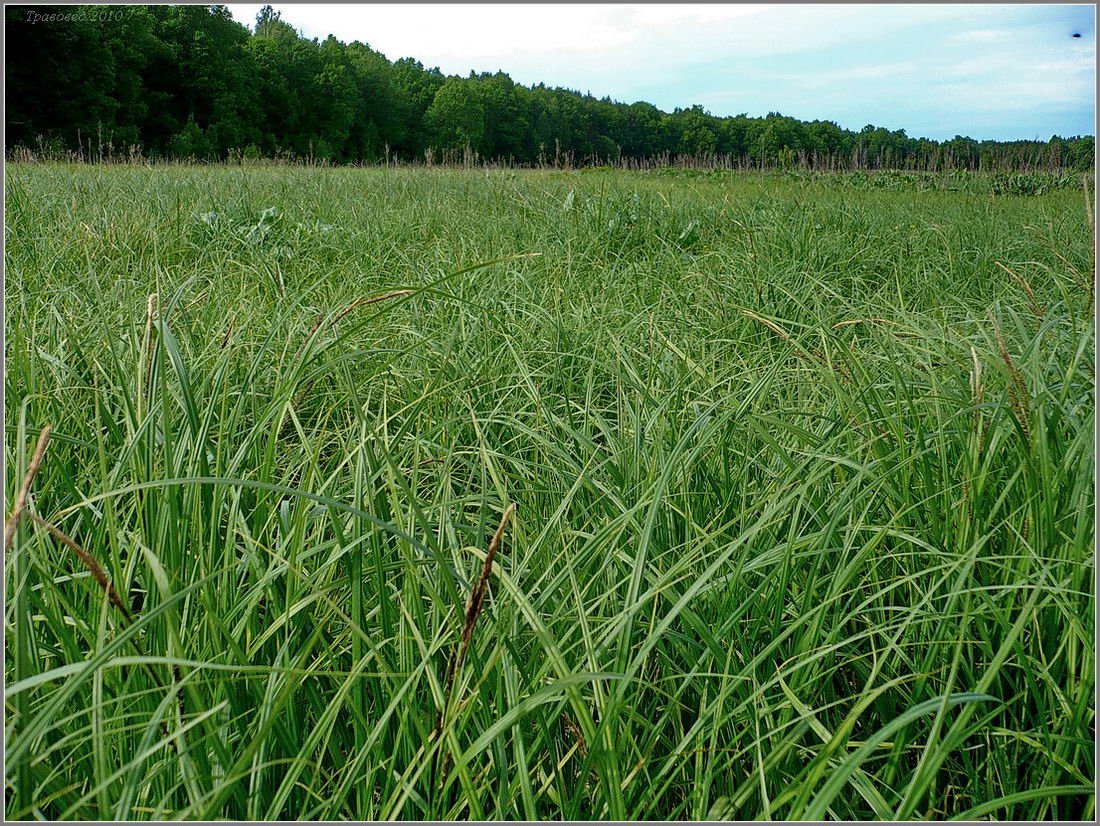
(190, 143)
(1031, 183)
(893, 180)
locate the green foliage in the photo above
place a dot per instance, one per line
(805, 488)
(456, 118)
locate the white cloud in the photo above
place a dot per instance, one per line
(471, 33)
(667, 33)
(984, 36)
(1009, 82)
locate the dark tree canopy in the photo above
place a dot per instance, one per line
(190, 82)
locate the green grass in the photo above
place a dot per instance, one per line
(764, 563)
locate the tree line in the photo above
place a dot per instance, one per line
(189, 82)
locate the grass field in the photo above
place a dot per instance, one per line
(803, 483)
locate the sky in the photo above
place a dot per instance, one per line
(999, 72)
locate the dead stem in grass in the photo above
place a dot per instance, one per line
(359, 302)
(229, 330)
(866, 321)
(25, 490)
(813, 354)
(1017, 390)
(1037, 309)
(147, 373)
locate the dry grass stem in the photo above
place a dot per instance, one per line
(477, 595)
(976, 389)
(359, 302)
(25, 490)
(1017, 390)
(866, 321)
(773, 327)
(811, 354)
(362, 302)
(150, 310)
(1090, 210)
(189, 305)
(229, 330)
(1037, 309)
(473, 610)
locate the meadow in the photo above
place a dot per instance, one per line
(491, 494)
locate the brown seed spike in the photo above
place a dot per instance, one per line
(773, 327)
(477, 595)
(473, 610)
(89, 562)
